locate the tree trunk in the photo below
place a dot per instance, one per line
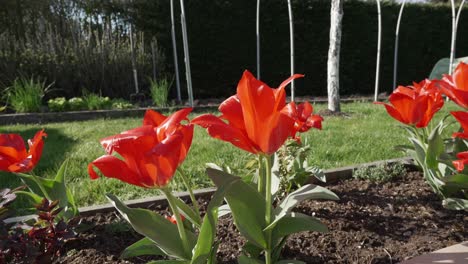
(333, 64)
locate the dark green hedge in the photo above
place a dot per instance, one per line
(222, 42)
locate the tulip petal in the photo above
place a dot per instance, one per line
(172, 122)
(231, 110)
(153, 118)
(218, 129)
(460, 77)
(113, 167)
(12, 146)
(462, 118)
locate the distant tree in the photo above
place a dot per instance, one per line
(333, 64)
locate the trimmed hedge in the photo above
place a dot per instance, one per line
(222, 42)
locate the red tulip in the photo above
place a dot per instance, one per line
(455, 86)
(13, 154)
(462, 161)
(173, 219)
(462, 118)
(415, 105)
(257, 118)
(150, 154)
(304, 117)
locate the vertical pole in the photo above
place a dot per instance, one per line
(456, 29)
(379, 38)
(454, 35)
(258, 38)
(174, 49)
(395, 57)
(153, 55)
(134, 69)
(188, 74)
(291, 46)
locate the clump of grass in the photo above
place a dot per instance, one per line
(381, 173)
(96, 102)
(159, 91)
(25, 95)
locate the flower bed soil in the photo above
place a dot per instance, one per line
(372, 223)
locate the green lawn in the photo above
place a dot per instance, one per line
(365, 134)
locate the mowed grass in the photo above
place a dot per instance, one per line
(366, 133)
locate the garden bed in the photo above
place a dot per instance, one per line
(372, 223)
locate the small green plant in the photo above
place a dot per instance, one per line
(96, 102)
(76, 104)
(59, 104)
(25, 95)
(121, 104)
(381, 173)
(160, 91)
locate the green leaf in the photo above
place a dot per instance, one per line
(36, 199)
(435, 147)
(420, 153)
(457, 180)
(157, 228)
(205, 247)
(296, 222)
(252, 250)
(455, 204)
(243, 259)
(247, 205)
(275, 174)
(53, 190)
(188, 212)
(318, 173)
(224, 210)
(142, 247)
(306, 192)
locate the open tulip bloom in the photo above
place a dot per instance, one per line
(16, 159)
(415, 107)
(13, 154)
(258, 120)
(148, 156)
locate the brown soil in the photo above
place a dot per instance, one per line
(372, 223)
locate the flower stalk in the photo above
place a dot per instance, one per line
(189, 189)
(175, 212)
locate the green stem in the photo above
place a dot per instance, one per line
(268, 166)
(189, 189)
(261, 176)
(180, 224)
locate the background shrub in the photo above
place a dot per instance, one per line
(25, 95)
(86, 44)
(159, 91)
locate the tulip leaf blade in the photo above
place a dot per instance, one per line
(188, 212)
(455, 204)
(53, 189)
(306, 192)
(247, 206)
(435, 147)
(204, 249)
(157, 228)
(144, 246)
(296, 222)
(243, 259)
